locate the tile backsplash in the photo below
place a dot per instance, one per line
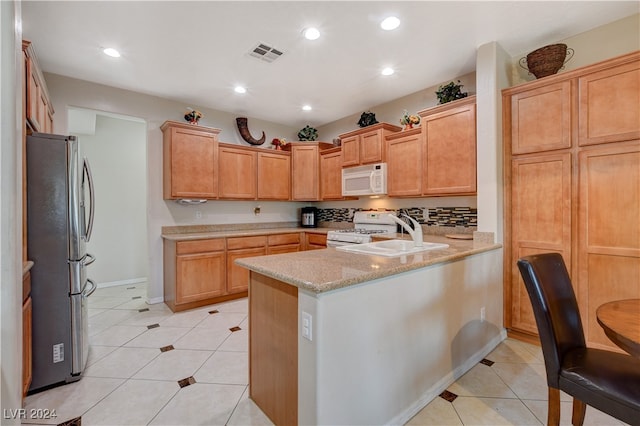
(430, 216)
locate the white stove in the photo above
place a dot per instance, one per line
(366, 224)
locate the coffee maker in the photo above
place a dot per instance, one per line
(309, 217)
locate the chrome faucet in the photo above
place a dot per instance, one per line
(416, 232)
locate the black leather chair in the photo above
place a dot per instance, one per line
(606, 380)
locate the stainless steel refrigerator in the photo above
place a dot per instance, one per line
(60, 211)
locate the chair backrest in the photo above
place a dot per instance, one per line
(555, 308)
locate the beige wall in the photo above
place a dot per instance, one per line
(391, 112)
(601, 43)
(10, 210)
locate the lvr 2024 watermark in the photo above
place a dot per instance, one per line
(32, 413)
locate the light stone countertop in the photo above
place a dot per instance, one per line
(188, 236)
(319, 271)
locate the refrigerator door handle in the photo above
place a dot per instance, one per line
(91, 257)
(87, 172)
(87, 293)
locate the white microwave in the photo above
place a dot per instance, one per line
(365, 180)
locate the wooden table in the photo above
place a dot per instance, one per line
(621, 323)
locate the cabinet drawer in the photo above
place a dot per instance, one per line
(200, 246)
(246, 242)
(282, 239)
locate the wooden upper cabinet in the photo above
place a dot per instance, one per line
(540, 118)
(189, 161)
(608, 231)
(405, 163)
(366, 145)
(238, 172)
(609, 105)
(274, 175)
(305, 172)
(331, 174)
(39, 110)
(449, 133)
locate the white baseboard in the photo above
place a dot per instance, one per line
(448, 380)
(155, 300)
(122, 282)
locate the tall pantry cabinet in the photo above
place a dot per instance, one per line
(572, 186)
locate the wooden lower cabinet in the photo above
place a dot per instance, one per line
(315, 241)
(203, 272)
(194, 273)
(540, 197)
(27, 329)
(284, 243)
(237, 248)
(608, 232)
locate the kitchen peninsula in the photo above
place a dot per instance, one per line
(342, 338)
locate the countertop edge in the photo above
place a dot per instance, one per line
(239, 233)
(319, 288)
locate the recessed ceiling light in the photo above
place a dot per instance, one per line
(240, 89)
(110, 51)
(387, 71)
(306, 107)
(311, 33)
(390, 23)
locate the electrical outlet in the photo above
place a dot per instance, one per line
(307, 326)
(198, 214)
(482, 314)
(256, 210)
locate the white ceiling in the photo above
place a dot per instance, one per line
(196, 52)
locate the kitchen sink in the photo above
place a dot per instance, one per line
(391, 248)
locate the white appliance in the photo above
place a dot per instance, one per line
(60, 212)
(365, 180)
(366, 224)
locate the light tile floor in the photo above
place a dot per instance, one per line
(129, 380)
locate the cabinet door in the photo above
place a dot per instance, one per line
(34, 99)
(237, 168)
(274, 176)
(608, 232)
(450, 151)
(404, 165)
(27, 358)
(199, 276)
(315, 241)
(190, 164)
(237, 276)
(351, 151)
(331, 175)
(609, 105)
(540, 222)
(541, 119)
(305, 180)
(371, 147)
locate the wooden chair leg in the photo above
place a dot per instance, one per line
(579, 409)
(553, 415)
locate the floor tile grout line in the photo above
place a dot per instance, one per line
(235, 407)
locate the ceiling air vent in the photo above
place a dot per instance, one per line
(265, 52)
